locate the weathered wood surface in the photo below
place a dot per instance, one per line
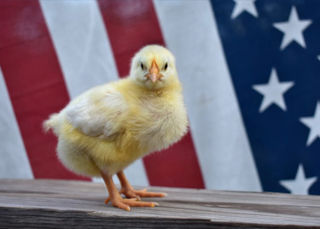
(73, 204)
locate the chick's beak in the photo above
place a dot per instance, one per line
(154, 72)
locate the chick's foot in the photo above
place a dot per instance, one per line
(132, 193)
(125, 204)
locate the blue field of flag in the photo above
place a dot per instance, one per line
(272, 49)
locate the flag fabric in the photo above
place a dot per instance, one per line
(250, 70)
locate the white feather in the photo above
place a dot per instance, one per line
(96, 117)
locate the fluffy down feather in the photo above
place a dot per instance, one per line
(110, 126)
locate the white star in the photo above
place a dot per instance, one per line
(314, 124)
(273, 92)
(244, 5)
(300, 184)
(319, 57)
(293, 29)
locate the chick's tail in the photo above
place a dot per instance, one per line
(51, 123)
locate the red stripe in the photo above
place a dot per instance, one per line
(131, 25)
(34, 81)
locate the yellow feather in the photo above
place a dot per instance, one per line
(153, 119)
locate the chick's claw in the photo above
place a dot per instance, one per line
(121, 205)
(137, 203)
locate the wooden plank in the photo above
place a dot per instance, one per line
(68, 204)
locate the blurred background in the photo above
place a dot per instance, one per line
(250, 71)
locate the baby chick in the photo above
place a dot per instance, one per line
(108, 127)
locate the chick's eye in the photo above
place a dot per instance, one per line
(142, 66)
(165, 66)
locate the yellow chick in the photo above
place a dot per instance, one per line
(108, 127)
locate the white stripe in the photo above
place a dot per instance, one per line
(222, 146)
(80, 40)
(84, 52)
(14, 162)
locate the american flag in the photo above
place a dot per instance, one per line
(250, 71)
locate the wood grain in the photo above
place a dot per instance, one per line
(75, 204)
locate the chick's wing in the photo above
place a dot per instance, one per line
(97, 112)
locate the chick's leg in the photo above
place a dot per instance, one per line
(117, 200)
(130, 192)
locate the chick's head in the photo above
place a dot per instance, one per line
(153, 67)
